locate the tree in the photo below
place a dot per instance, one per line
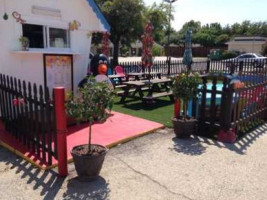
(157, 50)
(205, 39)
(194, 26)
(158, 16)
(215, 35)
(176, 38)
(221, 39)
(126, 21)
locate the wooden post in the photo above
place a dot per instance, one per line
(226, 134)
(208, 66)
(176, 108)
(61, 125)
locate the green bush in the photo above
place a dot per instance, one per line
(229, 54)
(215, 54)
(157, 50)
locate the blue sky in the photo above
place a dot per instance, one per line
(222, 11)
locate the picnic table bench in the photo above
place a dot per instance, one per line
(119, 77)
(156, 88)
(158, 95)
(159, 88)
(142, 75)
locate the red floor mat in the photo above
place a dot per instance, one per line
(117, 129)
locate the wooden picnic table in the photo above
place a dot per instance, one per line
(138, 75)
(156, 88)
(116, 76)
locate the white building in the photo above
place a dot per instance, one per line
(251, 44)
(61, 28)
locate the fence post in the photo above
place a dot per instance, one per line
(226, 134)
(169, 65)
(61, 125)
(208, 66)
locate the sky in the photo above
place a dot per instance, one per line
(222, 11)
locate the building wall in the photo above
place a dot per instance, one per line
(250, 47)
(29, 66)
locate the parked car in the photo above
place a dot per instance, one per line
(256, 60)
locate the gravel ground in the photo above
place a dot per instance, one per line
(156, 166)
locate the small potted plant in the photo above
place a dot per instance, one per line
(93, 101)
(24, 41)
(185, 87)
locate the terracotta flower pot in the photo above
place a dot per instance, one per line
(88, 166)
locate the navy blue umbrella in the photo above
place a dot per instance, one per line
(188, 58)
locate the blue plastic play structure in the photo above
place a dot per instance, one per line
(219, 87)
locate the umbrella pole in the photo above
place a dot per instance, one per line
(149, 69)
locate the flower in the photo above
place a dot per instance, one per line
(15, 102)
(18, 101)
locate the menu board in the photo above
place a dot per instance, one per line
(58, 71)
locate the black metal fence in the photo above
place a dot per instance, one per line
(28, 114)
(176, 67)
(247, 67)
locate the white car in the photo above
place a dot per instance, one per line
(256, 60)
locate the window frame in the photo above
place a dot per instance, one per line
(46, 37)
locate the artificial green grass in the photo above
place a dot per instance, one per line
(160, 111)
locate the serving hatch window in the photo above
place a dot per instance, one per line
(46, 37)
(35, 34)
(59, 38)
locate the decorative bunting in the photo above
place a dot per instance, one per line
(18, 18)
(74, 25)
(5, 16)
(147, 41)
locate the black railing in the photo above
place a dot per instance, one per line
(242, 68)
(176, 67)
(28, 114)
(248, 67)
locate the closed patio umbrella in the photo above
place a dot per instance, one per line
(188, 58)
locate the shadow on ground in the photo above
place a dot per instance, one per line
(97, 189)
(241, 145)
(47, 181)
(192, 146)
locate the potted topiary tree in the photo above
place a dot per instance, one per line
(185, 87)
(91, 104)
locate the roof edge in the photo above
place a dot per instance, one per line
(99, 14)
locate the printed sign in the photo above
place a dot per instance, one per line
(58, 71)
